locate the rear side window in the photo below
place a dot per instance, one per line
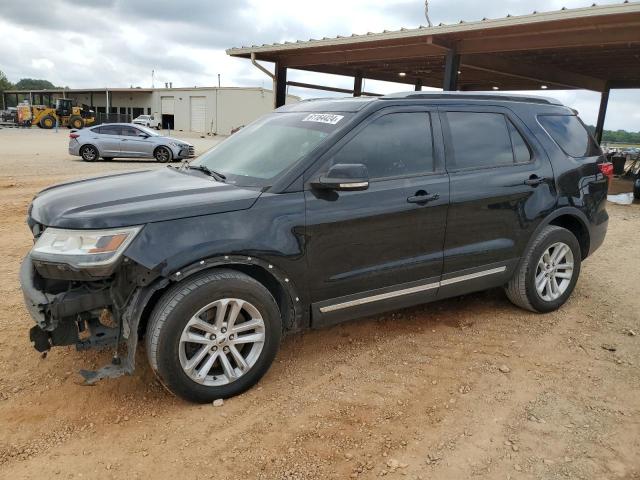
(396, 144)
(570, 135)
(110, 130)
(477, 140)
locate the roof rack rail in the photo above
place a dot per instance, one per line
(472, 96)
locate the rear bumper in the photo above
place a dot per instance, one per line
(74, 148)
(598, 231)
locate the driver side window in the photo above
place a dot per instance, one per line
(394, 145)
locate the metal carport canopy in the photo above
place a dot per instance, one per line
(593, 48)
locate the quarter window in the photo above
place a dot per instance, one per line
(570, 134)
(396, 144)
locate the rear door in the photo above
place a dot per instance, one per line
(379, 248)
(501, 186)
(108, 138)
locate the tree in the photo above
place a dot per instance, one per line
(33, 84)
(5, 84)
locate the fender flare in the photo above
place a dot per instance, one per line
(573, 211)
(296, 317)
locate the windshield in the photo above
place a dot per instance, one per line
(269, 146)
(148, 131)
(143, 117)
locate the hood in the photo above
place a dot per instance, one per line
(137, 198)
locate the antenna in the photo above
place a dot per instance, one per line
(426, 12)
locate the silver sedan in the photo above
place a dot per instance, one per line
(124, 140)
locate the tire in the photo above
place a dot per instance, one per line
(48, 122)
(163, 154)
(89, 153)
(636, 189)
(76, 122)
(522, 289)
(205, 294)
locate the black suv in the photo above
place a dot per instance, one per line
(317, 213)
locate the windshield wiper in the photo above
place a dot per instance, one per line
(212, 173)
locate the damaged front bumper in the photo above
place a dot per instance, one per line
(97, 313)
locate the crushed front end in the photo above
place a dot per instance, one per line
(81, 290)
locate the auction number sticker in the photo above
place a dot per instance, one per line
(329, 118)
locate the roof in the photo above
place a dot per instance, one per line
(569, 48)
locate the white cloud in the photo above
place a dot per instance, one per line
(117, 43)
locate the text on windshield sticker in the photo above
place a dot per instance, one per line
(329, 118)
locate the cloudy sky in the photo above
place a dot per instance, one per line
(117, 43)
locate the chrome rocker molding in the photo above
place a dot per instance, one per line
(409, 291)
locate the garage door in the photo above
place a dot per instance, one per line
(166, 105)
(198, 114)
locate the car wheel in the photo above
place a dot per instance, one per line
(548, 272)
(162, 154)
(636, 189)
(89, 153)
(48, 122)
(213, 336)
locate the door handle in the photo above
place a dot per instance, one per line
(421, 197)
(534, 180)
(123, 140)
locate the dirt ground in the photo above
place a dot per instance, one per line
(471, 387)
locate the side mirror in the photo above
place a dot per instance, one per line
(344, 176)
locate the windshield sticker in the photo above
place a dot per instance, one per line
(329, 118)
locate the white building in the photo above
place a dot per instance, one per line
(207, 110)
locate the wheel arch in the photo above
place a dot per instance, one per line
(272, 278)
(573, 220)
(89, 144)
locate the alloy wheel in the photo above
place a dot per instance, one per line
(221, 342)
(554, 271)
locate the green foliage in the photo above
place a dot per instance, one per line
(618, 136)
(33, 84)
(5, 84)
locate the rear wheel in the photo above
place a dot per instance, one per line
(213, 336)
(163, 154)
(89, 153)
(636, 188)
(548, 272)
(47, 122)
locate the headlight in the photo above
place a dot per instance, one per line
(179, 145)
(83, 248)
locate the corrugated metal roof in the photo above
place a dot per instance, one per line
(462, 26)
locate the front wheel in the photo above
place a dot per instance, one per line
(163, 155)
(548, 272)
(213, 336)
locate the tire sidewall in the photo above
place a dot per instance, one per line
(169, 368)
(168, 150)
(554, 236)
(83, 149)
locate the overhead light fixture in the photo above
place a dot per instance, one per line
(543, 87)
(402, 74)
(459, 72)
(496, 88)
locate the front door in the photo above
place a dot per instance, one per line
(379, 248)
(135, 143)
(501, 182)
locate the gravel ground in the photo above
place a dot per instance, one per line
(468, 387)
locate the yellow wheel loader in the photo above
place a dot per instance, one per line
(65, 113)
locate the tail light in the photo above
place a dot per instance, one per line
(75, 135)
(606, 168)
